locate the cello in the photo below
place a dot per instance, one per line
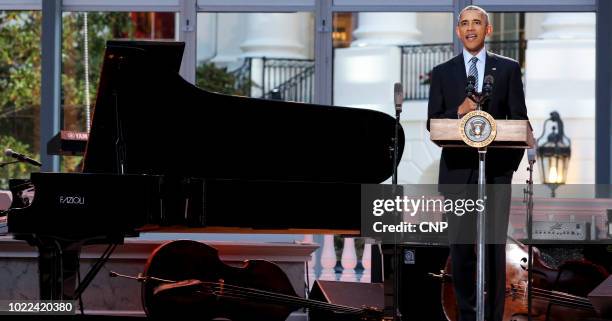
(557, 295)
(186, 279)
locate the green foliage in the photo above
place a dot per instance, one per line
(213, 78)
(20, 73)
(19, 87)
(17, 170)
(102, 26)
(19, 60)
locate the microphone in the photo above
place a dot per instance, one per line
(20, 157)
(487, 87)
(470, 89)
(398, 96)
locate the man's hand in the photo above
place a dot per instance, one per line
(467, 106)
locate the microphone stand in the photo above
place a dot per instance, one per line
(480, 100)
(8, 163)
(480, 232)
(398, 111)
(397, 315)
(528, 192)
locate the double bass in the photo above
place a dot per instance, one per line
(557, 294)
(187, 280)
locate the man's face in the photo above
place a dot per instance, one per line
(473, 29)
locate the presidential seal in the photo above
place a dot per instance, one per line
(478, 129)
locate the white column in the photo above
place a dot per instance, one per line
(560, 75)
(364, 73)
(386, 28)
(568, 26)
(349, 260)
(366, 261)
(216, 43)
(328, 259)
(273, 35)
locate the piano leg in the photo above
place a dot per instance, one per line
(58, 263)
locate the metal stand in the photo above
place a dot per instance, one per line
(8, 163)
(397, 315)
(395, 145)
(480, 244)
(481, 223)
(529, 199)
(120, 142)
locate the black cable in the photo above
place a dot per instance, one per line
(79, 284)
(307, 281)
(61, 270)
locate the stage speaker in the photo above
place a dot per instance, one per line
(601, 298)
(343, 294)
(419, 293)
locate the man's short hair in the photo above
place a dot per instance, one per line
(476, 8)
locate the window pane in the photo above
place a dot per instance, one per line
(263, 55)
(559, 75)
(122, 3)
(534, 2)
(243, 3)
(543, 43)
(374, 50)
(19, 89)
(81, 64)
(393, 3)
(21, 4)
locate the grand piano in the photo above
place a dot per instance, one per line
(164, 155)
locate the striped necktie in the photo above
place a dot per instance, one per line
(474, 70)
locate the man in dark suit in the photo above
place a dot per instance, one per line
(447, 99)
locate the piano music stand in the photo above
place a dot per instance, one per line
(449, 133)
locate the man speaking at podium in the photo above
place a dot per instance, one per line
(447, 99)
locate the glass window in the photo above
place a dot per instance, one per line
(19, 89)
(380, 48)
(533, 2)
(557, 53)
(263, 55)
(374, 50)
(129, 4)
(260, 3)
(84, 40)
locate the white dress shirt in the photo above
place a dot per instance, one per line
(480, 65)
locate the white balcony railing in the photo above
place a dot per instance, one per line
(326, 264)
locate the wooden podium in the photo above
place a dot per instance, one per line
(510, 133)
(478, 130)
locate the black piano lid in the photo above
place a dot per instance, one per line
(171, 127)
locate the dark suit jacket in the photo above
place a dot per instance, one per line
(447, 92)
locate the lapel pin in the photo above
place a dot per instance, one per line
(494, 68)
